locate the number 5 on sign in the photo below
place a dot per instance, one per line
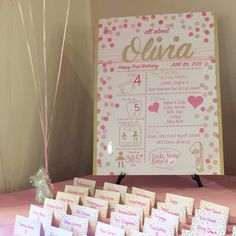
(137, 80)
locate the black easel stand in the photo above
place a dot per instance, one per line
(120, 177)
(196, 178)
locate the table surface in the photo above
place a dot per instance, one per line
(217, 189)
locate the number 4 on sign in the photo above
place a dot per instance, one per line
(138, 80)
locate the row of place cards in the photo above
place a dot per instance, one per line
(83, 210)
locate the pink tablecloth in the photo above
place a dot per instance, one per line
(218, 189)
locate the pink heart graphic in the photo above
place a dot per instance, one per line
(154, 107)
(195, 101)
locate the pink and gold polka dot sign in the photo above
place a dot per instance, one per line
(158, 100)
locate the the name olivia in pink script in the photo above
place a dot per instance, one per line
(158, 229)
(66, 200)
(212, 210)
(169, 211)
(207, 219)
(105, 197)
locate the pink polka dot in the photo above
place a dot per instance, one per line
(111, 69)
(105, 118)
(105, 147)
(215, 100)
(104, 82)
(110, 96)
(139, 24)
(203, 13)
(153, 16)
(207, 19)
(99, 25)
(203, 108)
(111, 45)
(98, 110)
(206, 77)
(99, 161)
(125, 25)
(205, 40)
(208, 161)
(143, 17)
(189, 16)
(100, 38)
(113, 28)
(190, 34)
(117, 105)
(207, 32)
(109, 39)
(161, 22)
(201, 130)
(211, 25)
(104, 64)
(102, 127)
(197, 29)
(106, 31)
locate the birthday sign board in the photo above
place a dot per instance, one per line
(158, 96)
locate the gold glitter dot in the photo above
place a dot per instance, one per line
(173, 17)
(159, 39)
(210, 93)
(125, 20)
(215, 162)
(215, 124)
(211, 144)
(109, 23)
(152, 25)
(176, 38)
(204, 25)
(206, 117)
(215, 134)
(210, 67)
(216, 113)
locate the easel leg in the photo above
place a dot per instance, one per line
(197, 178)
(120, 177)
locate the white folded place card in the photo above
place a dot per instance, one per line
(87, 183)
(130, 210)
(124, 221)
(99, 204)
(108, 230)
(88, 213)
(145, 193)
(112, 197)
(166, 218)
(151, 227)
(211, 217)
(116, 188)
(27, 226)
(178, 210)
(42, 215)
(77, 190)
(77, 225)
(134, 200)
(53, 231)
(181, 200)
(206, 227)
(71, 199)
(215, 208)
(58, 207)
